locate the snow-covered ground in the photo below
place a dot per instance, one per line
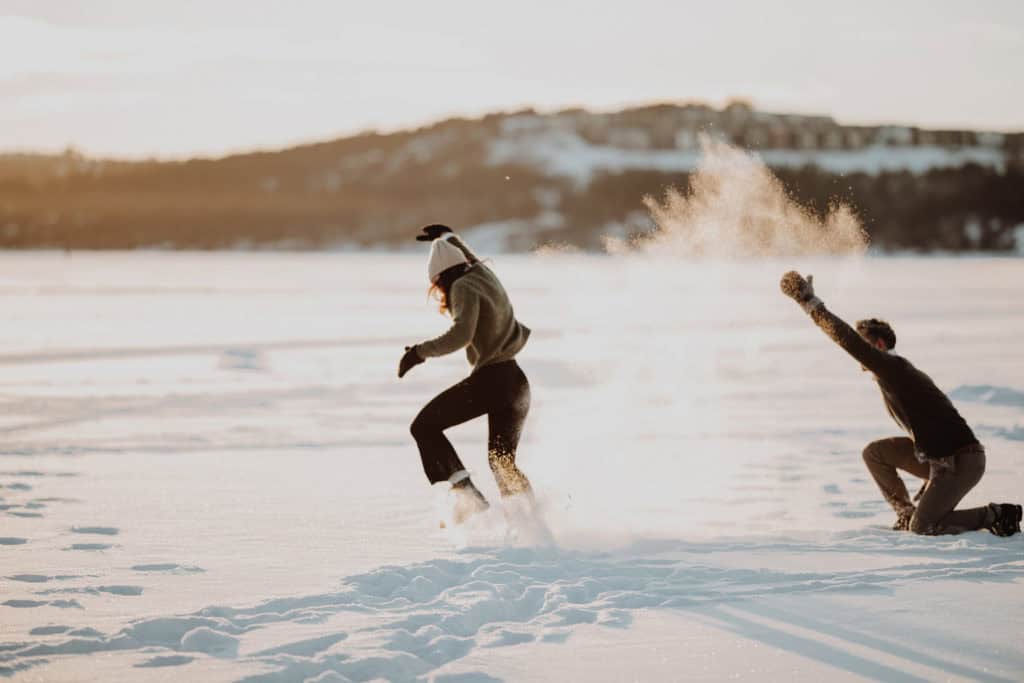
(207, 474)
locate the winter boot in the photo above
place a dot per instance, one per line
(1006, 519)
(468, 501)
(903, 519)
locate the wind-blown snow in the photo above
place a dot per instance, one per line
(226, 489)
(736, 208)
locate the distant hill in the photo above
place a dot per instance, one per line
(518, 180)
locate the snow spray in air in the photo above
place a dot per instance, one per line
(736, 208)
(677, 362)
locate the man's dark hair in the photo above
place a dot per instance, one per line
(874, 328)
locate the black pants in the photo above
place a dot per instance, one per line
(500, 391)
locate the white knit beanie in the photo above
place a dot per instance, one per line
(442, 257)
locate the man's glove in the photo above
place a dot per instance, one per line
(432, 232)
(410, 360)
(796, 287)
(800, 290)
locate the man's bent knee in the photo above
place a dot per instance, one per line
(923, 526)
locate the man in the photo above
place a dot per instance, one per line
(940, 448)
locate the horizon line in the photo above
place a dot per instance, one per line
(272, 147)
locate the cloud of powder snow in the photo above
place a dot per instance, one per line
(736, 208)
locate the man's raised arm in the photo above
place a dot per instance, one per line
(801, 291)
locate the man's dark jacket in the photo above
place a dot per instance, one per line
(911, 397)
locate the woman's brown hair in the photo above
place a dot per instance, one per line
(441, 288)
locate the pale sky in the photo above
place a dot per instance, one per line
(135, 78)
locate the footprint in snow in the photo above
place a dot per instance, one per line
(854, 514)
(167, 660)
(43, 578)
(86, 632)
(27, 604)
(209, 641)
(167, 567)
(96, 590)
(30, 578)
(120, 590)
(504, 638)
(22, 604)
(49, 630)
(36, 473)
(100, 530)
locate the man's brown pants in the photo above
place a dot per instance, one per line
(946, 486)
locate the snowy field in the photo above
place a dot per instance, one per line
(206, 474)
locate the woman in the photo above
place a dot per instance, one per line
(483, 322)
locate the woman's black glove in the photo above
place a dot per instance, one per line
(432, 232)
(410, 360)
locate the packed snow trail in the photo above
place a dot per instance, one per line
(429, 614)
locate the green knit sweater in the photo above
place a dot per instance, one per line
(482, 318)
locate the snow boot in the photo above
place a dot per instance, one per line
(468, 501)
(1006, 520)
(903, 519)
